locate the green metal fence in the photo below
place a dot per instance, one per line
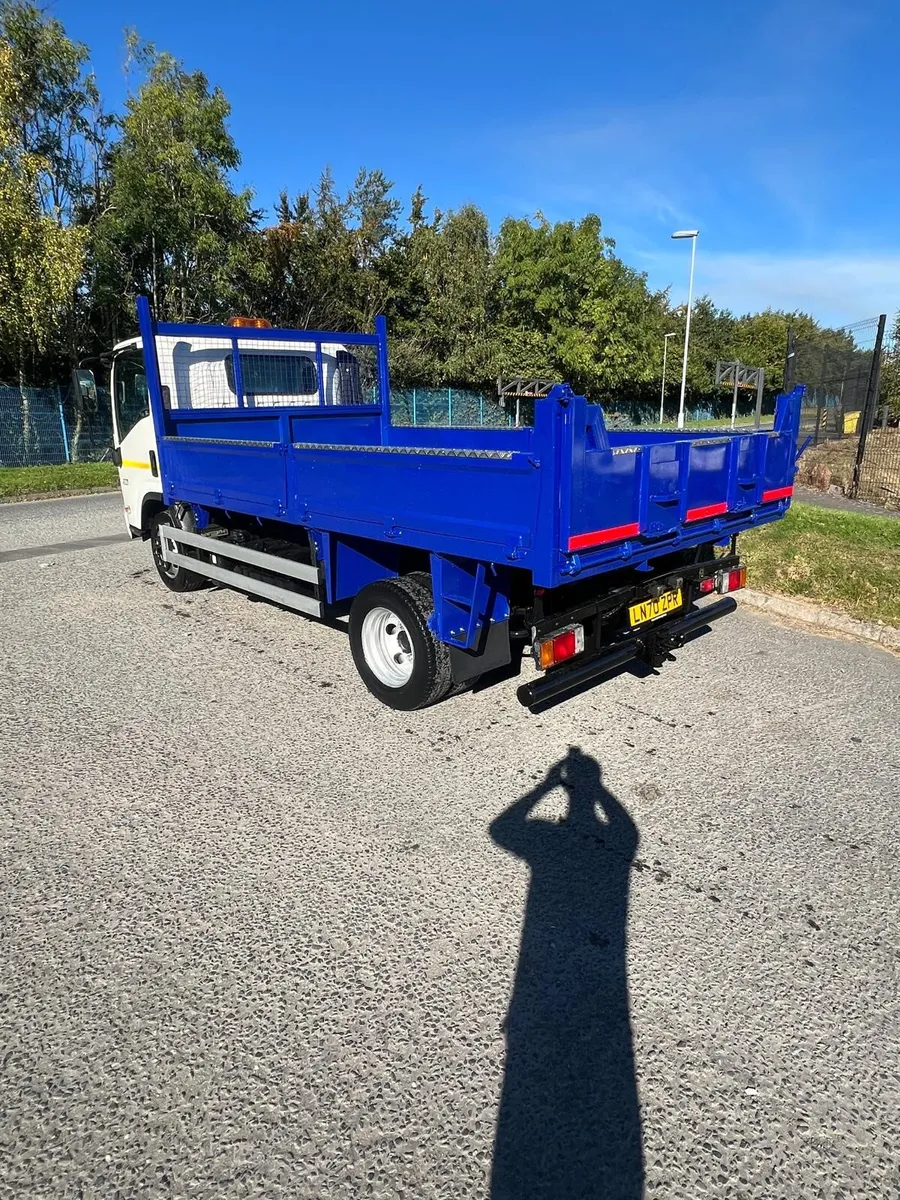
(41, 426)
(447, 406)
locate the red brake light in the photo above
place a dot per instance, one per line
(707, 585)
(564, 646)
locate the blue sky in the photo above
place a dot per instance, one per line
(772, 126)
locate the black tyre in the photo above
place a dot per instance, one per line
(176, 578)
(400, 660)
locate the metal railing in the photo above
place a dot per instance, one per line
(854, 439)
(43, 426)
(448, 406)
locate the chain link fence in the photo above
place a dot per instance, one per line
(43, 426)
(852, 431)
(449, 407)
(711, 410)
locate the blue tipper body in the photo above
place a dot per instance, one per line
(565, 499)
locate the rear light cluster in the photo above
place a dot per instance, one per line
(568, 642)
(556, 649)
(730, 581)
(724, 581)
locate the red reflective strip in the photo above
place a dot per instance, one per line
(581, 541)
(708, 510)
(777, 494)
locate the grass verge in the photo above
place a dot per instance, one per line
(844, 560)
(69, 477)
(725, 422)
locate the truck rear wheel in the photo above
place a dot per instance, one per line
(400, 660)
(175, 577)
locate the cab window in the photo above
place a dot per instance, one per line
(131, 395)
(274, 374)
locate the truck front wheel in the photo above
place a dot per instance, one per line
(400, 660)
(175, 577)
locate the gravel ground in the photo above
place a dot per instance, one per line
(262, 937)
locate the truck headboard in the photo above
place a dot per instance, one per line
(223, 367)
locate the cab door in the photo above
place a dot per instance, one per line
(133, 435)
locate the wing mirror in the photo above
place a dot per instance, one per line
(85, 385)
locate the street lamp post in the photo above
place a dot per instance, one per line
(692, 234)
(662, 394)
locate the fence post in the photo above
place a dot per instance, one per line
(449, 406)
(414, 407)
(481, 410)
(760, 384)
(868, 413)
(65, 435)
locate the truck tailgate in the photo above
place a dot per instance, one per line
(670, 487)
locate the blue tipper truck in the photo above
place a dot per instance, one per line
(266, 459)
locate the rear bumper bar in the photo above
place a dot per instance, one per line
(566, 679)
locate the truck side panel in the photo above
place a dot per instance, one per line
(254, 480)
(455, 502)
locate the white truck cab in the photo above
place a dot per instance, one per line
(133, 435)
(199, 373)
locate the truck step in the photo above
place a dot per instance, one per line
(303, 573)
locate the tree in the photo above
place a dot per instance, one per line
(712, 338)
(570, 309)
(172, 226)
(40, 260)
(59, 131)
(86, 225)
(56, 131)
(629, 325)
(330, 261)
(444, 309)
(58, 118)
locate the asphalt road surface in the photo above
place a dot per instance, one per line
(262, 937)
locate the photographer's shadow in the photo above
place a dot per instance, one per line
(569, 1121)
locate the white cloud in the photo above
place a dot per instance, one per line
(837, 288)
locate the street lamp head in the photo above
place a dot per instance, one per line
(668, 335)
(686, 233)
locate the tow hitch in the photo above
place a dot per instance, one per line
(654, 646)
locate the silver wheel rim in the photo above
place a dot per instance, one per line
(387, 647)
(167, 568)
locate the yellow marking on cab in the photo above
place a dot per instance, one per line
(130, 462)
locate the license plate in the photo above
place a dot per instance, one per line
(655, 607)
